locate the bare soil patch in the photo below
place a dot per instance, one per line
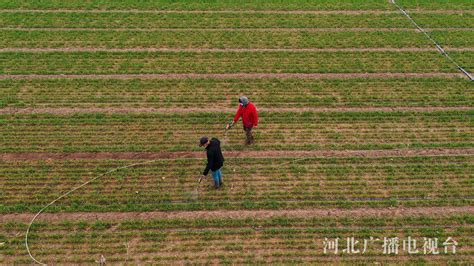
(300, 213)
(235, 154)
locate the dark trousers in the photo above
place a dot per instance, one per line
(248, 135)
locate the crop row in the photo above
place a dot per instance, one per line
(281, 93)
(232, 5)
(223, 62)
(179, 132)
(205, 20)
(168, 183)
(230, 20)
(465, 59)
(444, 20)
(281, 220)
(201, 5)
(275, 239)
(453, 38)
(436, 5)
(223, 39)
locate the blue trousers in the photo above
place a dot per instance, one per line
(217, 176)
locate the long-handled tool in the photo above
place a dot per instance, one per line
(195, 193)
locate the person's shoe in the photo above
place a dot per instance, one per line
(252, 141)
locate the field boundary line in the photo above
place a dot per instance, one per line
(275, 154)
(139, 110)
(234, 75)
(400, 211)
(437, 45)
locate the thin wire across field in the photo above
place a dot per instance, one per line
(438, 46)
(99, 176)
(224, 140)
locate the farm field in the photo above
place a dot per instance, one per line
(365, 135)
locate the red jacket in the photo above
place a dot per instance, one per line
(249, 115)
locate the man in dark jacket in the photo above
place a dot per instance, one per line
(215, 159)
(249, 114)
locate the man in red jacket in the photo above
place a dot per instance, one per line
(248, 112)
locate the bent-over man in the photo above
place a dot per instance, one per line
(215, 159)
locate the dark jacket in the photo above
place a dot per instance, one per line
(215, 159)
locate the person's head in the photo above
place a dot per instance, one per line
(204, 142)
(244, 100)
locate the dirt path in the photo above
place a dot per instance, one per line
(458, 49)
(174, 110)
(300, 213)
(448, 29)
(235, 154)
(440, 11)
(233, 50)
(235, 75)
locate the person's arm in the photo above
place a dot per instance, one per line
(238, 114)
(255, 116)
(210, 161)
